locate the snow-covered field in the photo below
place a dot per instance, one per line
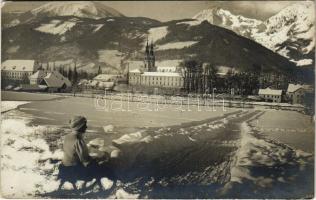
(303, 62)
(289, 127)
(25, 160)
(9, 105)
(155, 34)
(191, 23)
(176, 45)
(262, 163)
(21, 150)
(111, 57)
(98, 27)
(27, 167)
(56, 27)
(228, 156)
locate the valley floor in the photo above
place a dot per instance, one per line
(233, 154)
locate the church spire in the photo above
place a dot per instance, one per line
(149, 59)
(152, 48)
(147, 46)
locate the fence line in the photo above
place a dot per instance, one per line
(179, 100)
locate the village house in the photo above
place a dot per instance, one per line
(37, 77)
(296, 93)
(18, 70)
(51, 81)
(271, 95)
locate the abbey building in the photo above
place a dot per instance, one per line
(151, 75)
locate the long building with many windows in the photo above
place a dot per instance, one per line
(152, 76)
(18, 69)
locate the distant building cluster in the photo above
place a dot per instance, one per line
(32, 77)
(153, 76)
(295, 94)
(103, 81)
(28, 75)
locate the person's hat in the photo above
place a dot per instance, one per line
(77, 122)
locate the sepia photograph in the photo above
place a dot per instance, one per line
(157, 99)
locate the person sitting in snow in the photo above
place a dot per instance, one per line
(75, 148)
(77, 164)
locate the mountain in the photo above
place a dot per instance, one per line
(83, 9)
(113, 42)
(92, 42)
(219, 46)
(224, 18)
(86, 9)
(289, 33)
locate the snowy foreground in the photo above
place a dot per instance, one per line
(9, 105)
(224, 157)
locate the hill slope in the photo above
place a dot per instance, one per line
(110, 41)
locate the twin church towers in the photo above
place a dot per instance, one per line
(149, 59)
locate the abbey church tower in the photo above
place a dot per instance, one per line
(150, 58)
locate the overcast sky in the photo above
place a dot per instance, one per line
(170, 10)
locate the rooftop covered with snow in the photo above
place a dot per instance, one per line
(170, 74)
(294, 87)
(18, 65)
(38, 75)
(269, 91)
(135, 71)
(106, 77)
(55, 79)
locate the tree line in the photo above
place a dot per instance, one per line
(73, 75)
(204, 78)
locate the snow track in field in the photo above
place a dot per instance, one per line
(261, 164)
(224, 157)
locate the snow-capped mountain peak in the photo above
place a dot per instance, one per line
(290, 32)
(224, 18)
(296, 13)
(78, 9)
